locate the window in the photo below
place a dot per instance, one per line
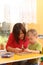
(18, 11)
(23, 11)
(13, 11)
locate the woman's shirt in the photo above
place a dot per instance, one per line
(12, 42)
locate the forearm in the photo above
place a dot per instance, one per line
(10, 49)
(35, 51)
(32, 51)
(15, 50)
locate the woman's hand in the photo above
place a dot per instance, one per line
(17, 50)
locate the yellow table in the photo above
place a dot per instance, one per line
(18, 57)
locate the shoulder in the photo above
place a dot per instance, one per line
(11, 35)
(39, 44)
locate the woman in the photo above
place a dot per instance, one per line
(17, 40)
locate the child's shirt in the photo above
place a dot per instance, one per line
(35, 46)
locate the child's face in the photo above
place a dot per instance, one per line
(32, 38)
(21, 35)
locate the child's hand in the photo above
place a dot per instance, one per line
(31, 51)
(27, 50)
(35, 51)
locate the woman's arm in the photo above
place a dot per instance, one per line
(10, 46)
(15, 50)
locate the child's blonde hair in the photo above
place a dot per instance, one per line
(33, 31)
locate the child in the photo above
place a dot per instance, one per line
(34, 46)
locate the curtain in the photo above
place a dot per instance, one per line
(23, 11)
(18, 11)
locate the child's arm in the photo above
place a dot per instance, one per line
(32, 51)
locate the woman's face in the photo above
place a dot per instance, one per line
(21, 35)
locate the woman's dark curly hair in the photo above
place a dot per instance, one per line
(16, 31)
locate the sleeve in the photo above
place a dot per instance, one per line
(10, 40)
(26, 43)
(39, 47)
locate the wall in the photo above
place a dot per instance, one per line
(39, 16)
